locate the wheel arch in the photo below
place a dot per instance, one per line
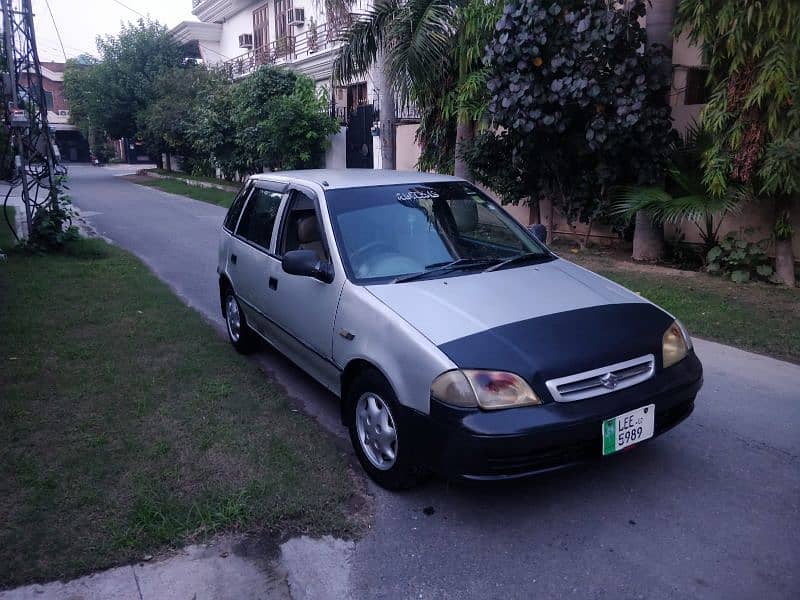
(351, 370)
(224, 285)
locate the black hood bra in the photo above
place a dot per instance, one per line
(564, 343)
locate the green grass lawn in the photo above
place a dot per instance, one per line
(7, 239)
(129, 425)
(760, 317)
(173, 186)
(195, 177)
(771, 327)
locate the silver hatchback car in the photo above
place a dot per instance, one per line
(457, 342)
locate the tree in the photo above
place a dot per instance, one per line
(165, 123)
(752, 112)
(685, 196)
(273, 119)
(296, 129)
(648, 235)
(431, 54)
(578, 106)
(108, 95)
(213, 132)
(82, 88)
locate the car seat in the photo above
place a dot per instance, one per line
(308, 236)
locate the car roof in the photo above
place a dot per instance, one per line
(348, 178)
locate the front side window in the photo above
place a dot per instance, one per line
(258, 218)
(388, 232)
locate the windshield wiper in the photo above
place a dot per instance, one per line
(438, 268)
(529, 257)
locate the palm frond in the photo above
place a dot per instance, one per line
(632, 199)
(418, 43)
(665, 208)
(362, 41)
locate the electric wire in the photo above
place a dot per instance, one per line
(145, 17)
(58, 33)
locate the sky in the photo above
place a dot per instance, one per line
(81, 21)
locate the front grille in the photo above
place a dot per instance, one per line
(603, 380)
(547, 458)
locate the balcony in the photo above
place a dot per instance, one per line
(314, 40)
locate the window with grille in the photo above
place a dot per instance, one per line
(282, 37)
(260, 28)
(696, 86)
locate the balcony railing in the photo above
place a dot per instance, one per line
(316, 38)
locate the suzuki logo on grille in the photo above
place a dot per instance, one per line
(609, 381)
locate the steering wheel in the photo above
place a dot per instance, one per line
(355, 258)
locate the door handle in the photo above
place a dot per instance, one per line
(273, 283)
(233, 258)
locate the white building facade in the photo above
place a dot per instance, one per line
(239, 36)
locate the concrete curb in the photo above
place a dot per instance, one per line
(306, 569)
(189, 181)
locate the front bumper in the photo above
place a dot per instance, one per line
(476, 444)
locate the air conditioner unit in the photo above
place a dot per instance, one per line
(246, 40)
(63, 113)
(296, 16)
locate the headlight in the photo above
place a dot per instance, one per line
(489, 390)
(675, 344)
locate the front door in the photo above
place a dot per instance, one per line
(304, 308)
(359, 137)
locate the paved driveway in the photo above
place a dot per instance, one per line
(710, 510)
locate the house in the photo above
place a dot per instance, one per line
(71, 143)
(239, 36)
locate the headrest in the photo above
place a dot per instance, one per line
(465, 215)
(307, 230)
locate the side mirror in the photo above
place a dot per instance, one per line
(539, 231)
(306, 263)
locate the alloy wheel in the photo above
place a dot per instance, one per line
(376, 431)
(233, 318)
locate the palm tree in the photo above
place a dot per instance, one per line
(648, 236)
(686, 198)
(430, 52)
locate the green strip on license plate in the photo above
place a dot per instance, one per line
(609, 435)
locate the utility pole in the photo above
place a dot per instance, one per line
(26, 109)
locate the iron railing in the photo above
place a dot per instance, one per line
(315, 39)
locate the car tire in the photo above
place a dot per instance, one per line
(378, 434)
(239, 333)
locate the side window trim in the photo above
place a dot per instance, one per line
(247, 197)
(277, 227)
(244, 192)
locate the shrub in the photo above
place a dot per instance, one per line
(740, 260)
(51, 227)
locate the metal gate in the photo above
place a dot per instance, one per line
(359, 137)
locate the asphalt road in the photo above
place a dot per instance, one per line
(710, 510)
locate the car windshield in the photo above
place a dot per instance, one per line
(403, 232)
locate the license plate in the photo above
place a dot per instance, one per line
(628, 429)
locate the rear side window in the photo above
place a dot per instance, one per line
(236, 209)
(258, 219)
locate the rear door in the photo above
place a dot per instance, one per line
(252, 261)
